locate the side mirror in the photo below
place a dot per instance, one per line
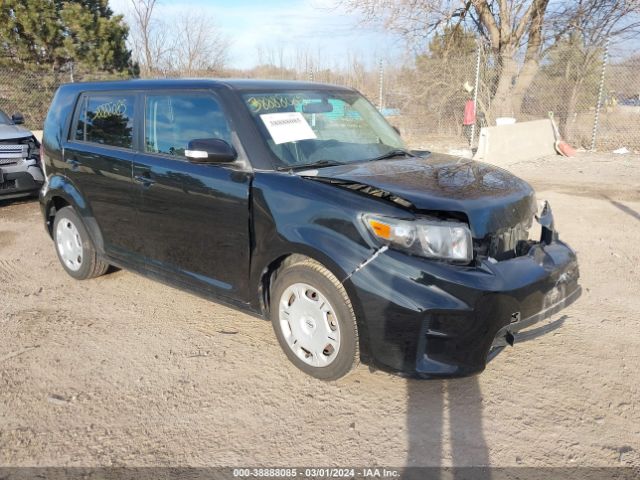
(210, 150)
(17, 119)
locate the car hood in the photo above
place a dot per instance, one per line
(491, 198)
(10, 132)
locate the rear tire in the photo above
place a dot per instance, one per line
(314, 320)
(74, 247)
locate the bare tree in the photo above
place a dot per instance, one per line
(578, 55)
(149, 37)
(519, 32)
(198, 45)
(191, 43)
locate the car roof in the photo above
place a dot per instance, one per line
(232, 84)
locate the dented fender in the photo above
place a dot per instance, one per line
(292, 214)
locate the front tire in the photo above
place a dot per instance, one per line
(314, 320)
(74, 247)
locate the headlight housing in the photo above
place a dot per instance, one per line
(444, 240)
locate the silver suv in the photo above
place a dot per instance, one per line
(20, 168)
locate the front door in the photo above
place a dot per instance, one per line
(195, 217)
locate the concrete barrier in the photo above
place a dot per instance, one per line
(506, 144)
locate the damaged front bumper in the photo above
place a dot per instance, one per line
(507, 335)
(24, 177)
(432, 319)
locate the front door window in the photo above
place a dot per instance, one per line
(173, 120)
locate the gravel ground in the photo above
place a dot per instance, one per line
(124, 371)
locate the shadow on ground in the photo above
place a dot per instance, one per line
(18, 200)
(629, 211)
(445, 418)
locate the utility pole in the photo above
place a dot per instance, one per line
(380, 86)
(596, 120)
(475, 95)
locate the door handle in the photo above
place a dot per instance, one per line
(144, 180)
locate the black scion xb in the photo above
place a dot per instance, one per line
(299, 203)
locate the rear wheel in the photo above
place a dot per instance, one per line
(74, 247)
(314, 321)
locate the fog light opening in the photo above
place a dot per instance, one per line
(510, 338)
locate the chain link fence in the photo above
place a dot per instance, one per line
(618, 124)
(594, 95)
(30, 92)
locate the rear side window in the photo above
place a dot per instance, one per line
(106, 119)
(172, 120)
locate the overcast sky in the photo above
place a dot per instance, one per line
(314, 25)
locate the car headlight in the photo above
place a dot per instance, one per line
(446, 240)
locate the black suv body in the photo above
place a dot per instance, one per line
(296, 202)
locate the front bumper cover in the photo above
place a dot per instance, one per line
(431, 319)
(507, 335)
(19, 180)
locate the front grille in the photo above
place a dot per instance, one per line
(508, 243)
(9, 161)
(14, 151)
(11, 154)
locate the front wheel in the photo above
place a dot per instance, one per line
(74, 247)
(314, 320)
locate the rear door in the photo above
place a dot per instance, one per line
(195, 217)
(99, 160)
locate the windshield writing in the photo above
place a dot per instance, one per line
(321, 127)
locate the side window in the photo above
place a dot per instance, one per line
(173, 120)
(106, 119)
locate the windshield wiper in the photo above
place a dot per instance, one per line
(393, 153)
(306, 166)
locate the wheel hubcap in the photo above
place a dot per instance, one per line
(69, 244)
(309, 325)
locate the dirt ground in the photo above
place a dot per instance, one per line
(124, 371)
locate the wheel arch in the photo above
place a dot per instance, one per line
(279, 262)
(55, 204)
(282, 260)
(61, 192)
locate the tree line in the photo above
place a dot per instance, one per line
(523, 37)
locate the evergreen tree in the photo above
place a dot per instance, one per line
(53, 33)
(454, 40)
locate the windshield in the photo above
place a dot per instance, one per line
(321, 127)
(4, 119)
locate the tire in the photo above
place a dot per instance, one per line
(74, 247)
(314, 320)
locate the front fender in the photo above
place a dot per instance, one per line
(294, 215)
(291, 215)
